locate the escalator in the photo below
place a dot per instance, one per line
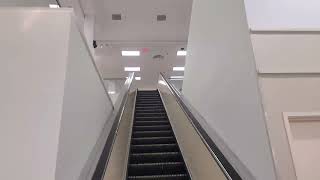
(154, 152)
(156, 135)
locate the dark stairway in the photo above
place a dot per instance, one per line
(154, 152)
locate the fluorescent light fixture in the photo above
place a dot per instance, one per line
(111, 92)
(176, 77)
(130, 53)
(132, 69)
(178, 68)
(181, 53)
(162, 82)
(54, 6)
(137, 78)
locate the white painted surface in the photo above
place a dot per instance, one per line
(88, 28)
(32, 74)
(53, 105)
(287, 93)
(305, 144)
(221, 83)
(287, 53)
(30, 3)
(287, 14)
(86, 109)
(139, 20)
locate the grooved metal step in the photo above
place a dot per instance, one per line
(156, 168)
(155, 157)
(150, 118)
(153, 140)
(150, 123)
(151, 128)
(151, 133)
(160, 177)
(150, 148)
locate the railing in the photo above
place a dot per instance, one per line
(224, 164)
(116, 117)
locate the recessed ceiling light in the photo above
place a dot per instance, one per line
(130, 53)
(181, 53)
(176, 77)
(137, 78)
(111, 92)
(53, 5)
(131, 69)
(178, 68)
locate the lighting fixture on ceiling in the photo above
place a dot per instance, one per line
(181, 53)
(132, 69)
(176, 77)
(111, 92)
(130, 53)
(178, 68)
(137, 78)
(54, 6)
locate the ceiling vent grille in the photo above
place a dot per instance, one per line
(158, 57)
(116, 17)
(161, 17)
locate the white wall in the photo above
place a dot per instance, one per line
(36, 3)
(53, 102)
(221, 83)
(283, 14)
(287, 52)
(287, 93)
(32, 87)
(288, 64)
(86, 109)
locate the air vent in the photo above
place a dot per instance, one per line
(116, 17)
(161, 17)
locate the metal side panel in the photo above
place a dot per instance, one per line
(117, 165)
(199, 160)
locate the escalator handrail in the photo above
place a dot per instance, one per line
(116, 118)
(226, 167)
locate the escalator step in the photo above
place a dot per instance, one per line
(149, 107)
(151, 128)
(156, 168)
(150, 111)
(151, 133)
(150, 114)
(160, 177)
(136, 158)
(150, 123)
(153, 140)
(141, 118)
(154, 148)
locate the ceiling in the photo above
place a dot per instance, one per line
(137, 30)
(139, 21)
(112, 64)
